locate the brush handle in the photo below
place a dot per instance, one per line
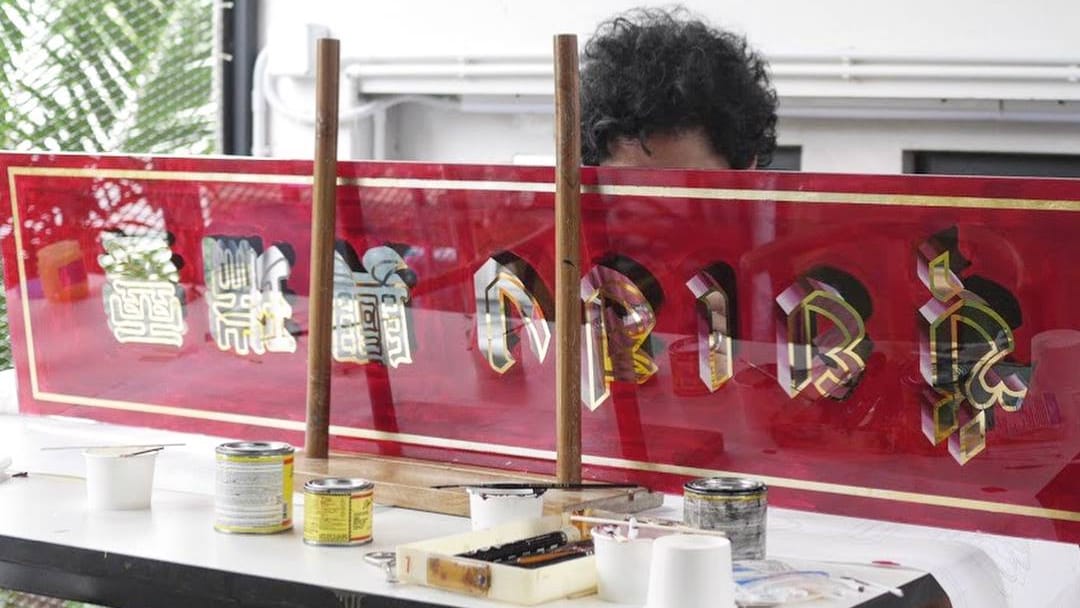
(540, 486)
(520, 548)
(141, 452)
(95, 447)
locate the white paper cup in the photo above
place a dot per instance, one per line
(117, 482)
(490, 507)
(622, 567)
(691, 571)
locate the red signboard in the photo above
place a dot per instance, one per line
(903, 348)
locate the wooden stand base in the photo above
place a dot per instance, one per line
(402, 482)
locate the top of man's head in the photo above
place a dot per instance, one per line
(651, 72)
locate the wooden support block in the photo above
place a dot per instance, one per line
(633, 500)
(402, 482)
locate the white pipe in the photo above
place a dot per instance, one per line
(455, 70)
(928, 72)
(832, 67)
(264, 97)
(378, 134)
(269, 93)
(260, 128)
(883, 113)
(490, 76)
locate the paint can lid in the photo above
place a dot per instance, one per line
(254, 448)
(725, 485)
(337, 485)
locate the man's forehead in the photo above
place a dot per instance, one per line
(686, 149)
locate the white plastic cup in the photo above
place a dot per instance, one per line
(490, 507)
(622, 567)
(118, 482)
(691, 571)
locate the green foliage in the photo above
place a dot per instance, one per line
(17, 599)
(133, 76)
(107, 76)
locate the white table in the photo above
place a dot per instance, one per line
(174, 547)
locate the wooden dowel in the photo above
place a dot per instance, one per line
(568, 259)
(324, 198)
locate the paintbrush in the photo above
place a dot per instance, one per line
(666, 525)
(141, 452)
(97, 447)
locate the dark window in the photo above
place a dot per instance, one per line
(992, 163)
(785, 158)
(240, 42)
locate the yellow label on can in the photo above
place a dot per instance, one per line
(253, 493)
(337, 519)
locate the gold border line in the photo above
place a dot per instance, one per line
(935, 500)
(446, 443)
(152, 174)
(16, 229)
(601, 461)
(779, 196)
(297, 425)
(842, 198)
(446, 184)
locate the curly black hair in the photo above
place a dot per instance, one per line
(652, 71)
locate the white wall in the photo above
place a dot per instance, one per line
(877, 146)
(859, 81)
(1043, 29)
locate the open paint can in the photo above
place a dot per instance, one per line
(734, 505)
(489, 507)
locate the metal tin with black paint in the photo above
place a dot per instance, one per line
(338, 511)
(734, 505)
(253, 487)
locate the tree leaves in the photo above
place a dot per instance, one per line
(133, 76)
(107, 76)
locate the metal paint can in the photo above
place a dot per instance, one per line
(734, 505)
(253, 487)
(338, 511)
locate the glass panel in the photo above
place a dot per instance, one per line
(885, 346)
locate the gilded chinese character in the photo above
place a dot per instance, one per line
(713, 310)
(370, 317)
(964, 345)
(504, 285)
(245, 291)
(619, 319)
(144, 301)
(822, 341)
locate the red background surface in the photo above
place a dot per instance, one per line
(870, 441)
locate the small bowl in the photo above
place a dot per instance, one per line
(117, 481)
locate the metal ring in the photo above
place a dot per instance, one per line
(387, 561)
(380, 558)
